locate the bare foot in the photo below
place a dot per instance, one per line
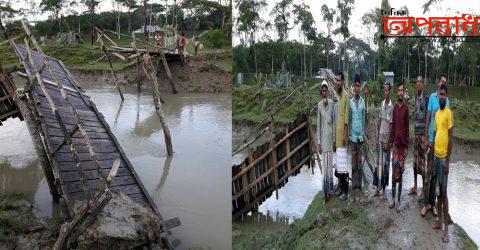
(445, 237)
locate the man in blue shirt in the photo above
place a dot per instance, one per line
(356, 136)
(433, 107)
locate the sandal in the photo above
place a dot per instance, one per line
(412, 191)
(437, 225)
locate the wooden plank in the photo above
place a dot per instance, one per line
(88, 129)
(274, 166)
(11, 113)
(136, 197)
(287, 145)
(67, 157)
(253, 174)
(95, 184)
(54, 132)
(88, 165)
(71, 176)
(72, 122)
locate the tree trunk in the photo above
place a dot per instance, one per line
(145, 34)
(92, 13)
(129, 22)
(408, 60)
(425, 80)
(304, 63)
(254, 54)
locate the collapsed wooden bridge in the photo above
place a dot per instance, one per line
(77, 141)
(267, 168)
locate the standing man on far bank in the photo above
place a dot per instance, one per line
(341, 132)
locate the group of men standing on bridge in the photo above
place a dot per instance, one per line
(343, 124)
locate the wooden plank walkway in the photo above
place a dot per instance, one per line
(267, 168)
(103, 142)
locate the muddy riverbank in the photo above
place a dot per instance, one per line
(198, 75)
(20, 229)
(341, 224)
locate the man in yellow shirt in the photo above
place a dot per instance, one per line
(442, 145)
(341, 133)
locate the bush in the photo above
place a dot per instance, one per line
(215, 39)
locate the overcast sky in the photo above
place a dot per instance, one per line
(442, 8)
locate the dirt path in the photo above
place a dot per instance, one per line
(408, 229)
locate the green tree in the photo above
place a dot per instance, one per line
(345, 10)
(54, 6)
(6, 12)
(282, 13)
(304, 17)
(249, 21)
(130, 5)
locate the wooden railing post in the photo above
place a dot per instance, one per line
(254, 178)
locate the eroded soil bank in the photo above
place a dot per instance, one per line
(198, 75)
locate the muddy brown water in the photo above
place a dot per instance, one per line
(298, 193)
(191, 185)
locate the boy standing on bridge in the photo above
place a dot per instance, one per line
(443, 129)
(383, 136)
(341, 132)
(356, 135)
(325, 140)
(399, 143)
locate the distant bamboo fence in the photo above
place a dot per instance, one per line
(267, 167)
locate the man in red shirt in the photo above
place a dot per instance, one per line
(399, 144)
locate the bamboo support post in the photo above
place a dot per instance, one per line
(147, 62)
(245, 186)
(254, 177)
(274, 165)
(115, 80)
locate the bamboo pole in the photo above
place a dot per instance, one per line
(156, 95)
(115, 80)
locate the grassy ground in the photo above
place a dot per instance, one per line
(248, 102)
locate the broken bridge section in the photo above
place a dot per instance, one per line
(8, 107)
(80, 162)
(267, 168)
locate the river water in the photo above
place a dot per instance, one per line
(463, 194)
(191, 185)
